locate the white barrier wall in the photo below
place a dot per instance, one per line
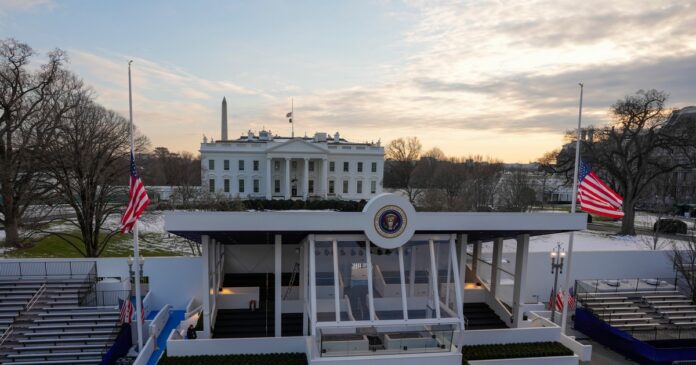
(235, 346)
(173, 280)
(595, 265)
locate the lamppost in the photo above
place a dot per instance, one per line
(557, 258)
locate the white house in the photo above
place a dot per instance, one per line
(269, 166)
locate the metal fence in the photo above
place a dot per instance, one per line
(102, 298)
(48, 269)
(626, 285)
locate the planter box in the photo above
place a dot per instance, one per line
(551, 360)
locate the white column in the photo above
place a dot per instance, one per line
(495, 265)
(370, 297)
(205, 292)
(337, 302)
(313, 282)
(476, 255)
(287, 178)
(269, 179)
(325, 176)
(412, 272)
(457, 283)
(278, 283)
(433, 279)
(462, 242)
(303, 285)
(305, 180)
(520, 277)
(402, 278)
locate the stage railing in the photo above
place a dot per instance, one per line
(47, 269)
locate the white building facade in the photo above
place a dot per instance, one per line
(273, 167)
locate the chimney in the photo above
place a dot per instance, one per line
(337, 138)
(224, 120)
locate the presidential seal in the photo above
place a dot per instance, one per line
(390, 221)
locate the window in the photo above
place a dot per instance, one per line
(360, 165)
(311, 166)
(374, 167)
(294, 164)
(373, 187)
(331, 187)
(226, 165)
(241, 165)
(256, 185)
(276, 186)
(226, 185)
(241, 185)
(256, 165)
(310, 187)
(332, 166)
(211, 164)
(345, 186)
(359, 187)
(345, 167)
(211, 185)
(277, 165)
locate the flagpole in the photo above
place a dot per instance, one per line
(564, 316)
(292, 116)
(136, 251)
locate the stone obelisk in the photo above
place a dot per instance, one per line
(223, 136)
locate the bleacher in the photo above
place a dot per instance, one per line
(50, 320)
(639, 309)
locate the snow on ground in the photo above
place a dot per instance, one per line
(585, 241)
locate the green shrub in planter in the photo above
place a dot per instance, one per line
(515, 350)
(251, 359)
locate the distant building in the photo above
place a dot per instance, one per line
(269, 166)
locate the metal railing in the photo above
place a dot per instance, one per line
(627, 285)
(102, 298)
(35, 297)
(47, 269)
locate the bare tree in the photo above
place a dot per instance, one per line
(482, 182)
(186, 178)
(402, 156)
(547, 167)
(639, 146)
(89, 164)
(32, 102)
(517, 194)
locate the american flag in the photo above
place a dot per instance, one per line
(137, 199)
(595, 196)
(126, 311)
(559, 300)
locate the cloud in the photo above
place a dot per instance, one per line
(172, 107)
(24, 5)
(493, 78)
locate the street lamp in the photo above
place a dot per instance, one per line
(557, 258)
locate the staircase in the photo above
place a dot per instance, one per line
(242, 323)
(479, 316)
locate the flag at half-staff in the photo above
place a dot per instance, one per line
(595, 196)
(137, 199)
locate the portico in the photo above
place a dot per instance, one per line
(382, 282)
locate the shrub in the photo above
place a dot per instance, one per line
(514, 350)
(671, 226)
(255, 359)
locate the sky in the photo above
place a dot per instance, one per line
(493, 78)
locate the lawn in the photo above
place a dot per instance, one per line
(120, 246)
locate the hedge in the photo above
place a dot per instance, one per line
(260, 359)
(263, 204)
(514, 350)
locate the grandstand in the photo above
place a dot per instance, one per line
(643, 319)
(52, 313)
